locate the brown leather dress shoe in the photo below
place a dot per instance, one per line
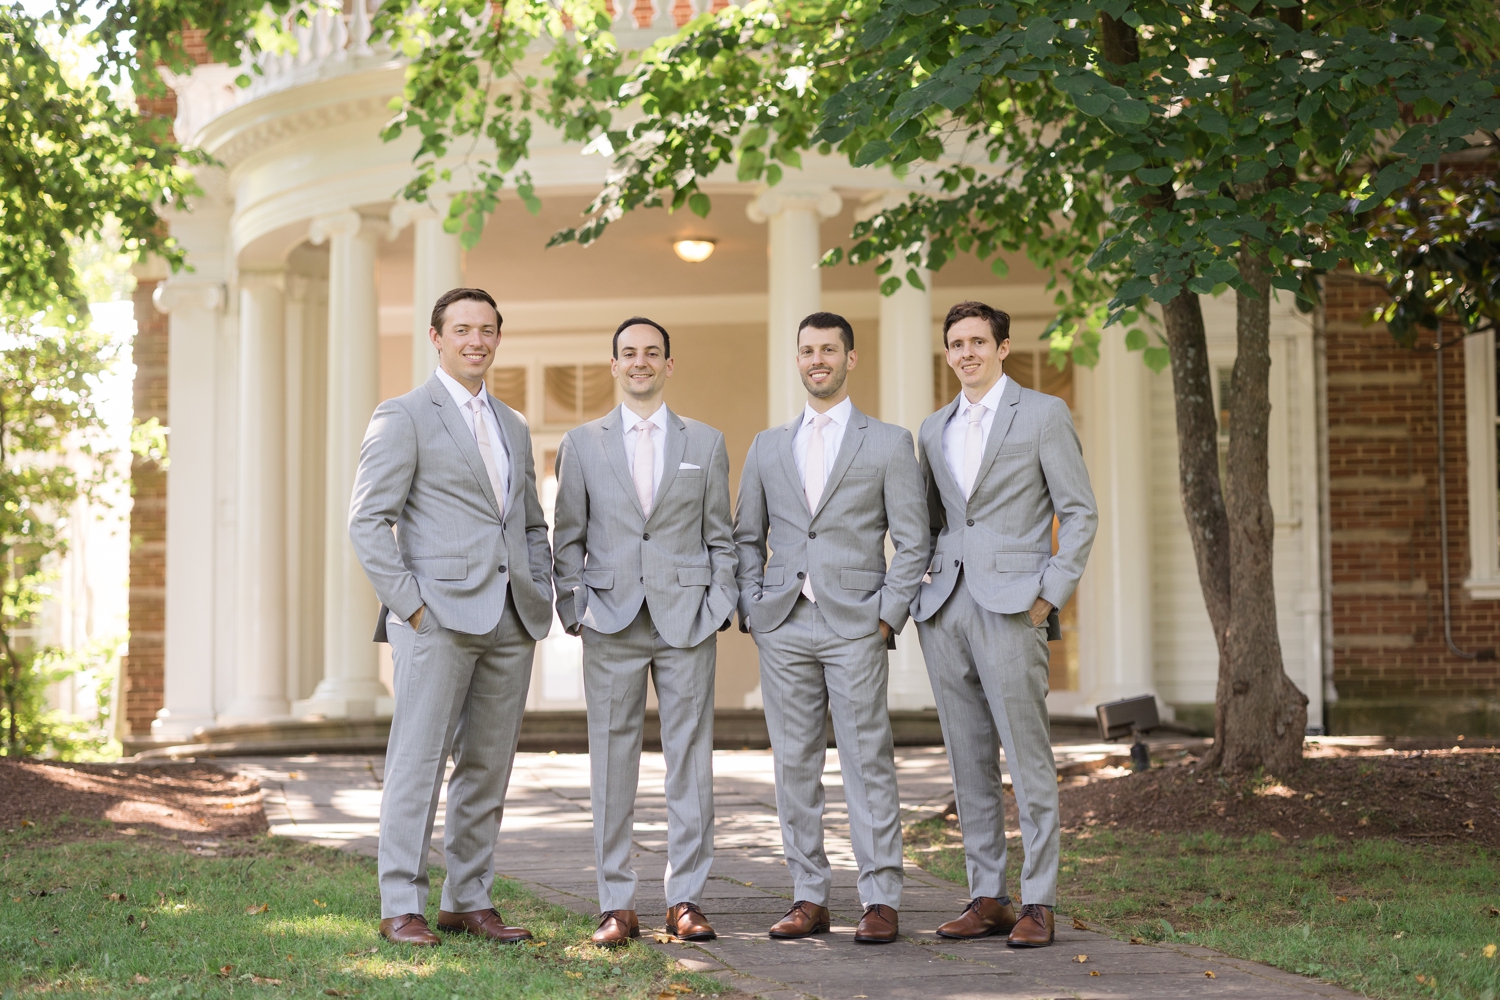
(616, 927)
(482, 923)
(1034, 929)
(804, 919)
(877, 926)
(983, 917)
(688, 922)
(409, 928)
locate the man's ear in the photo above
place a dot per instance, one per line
(434, 336)
(853, 359)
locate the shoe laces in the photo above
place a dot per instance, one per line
(684, 908)
(879, 910)
(800, 906)
(612, 914)
(1035, 911)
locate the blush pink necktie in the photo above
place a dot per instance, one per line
(642, 472)
(814, 476)
(487, 451)
(973, 448)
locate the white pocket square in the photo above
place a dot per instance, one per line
(689, 465)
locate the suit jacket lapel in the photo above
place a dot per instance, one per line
(787, 435)
(463, 437)
(1005, 415)
(854, 436)
(937, 458)
(672, 451)
(614, 449)
(515, 449)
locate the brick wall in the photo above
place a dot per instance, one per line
(143, 680)
(1387, 601)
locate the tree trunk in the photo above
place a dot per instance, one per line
(1260, 715)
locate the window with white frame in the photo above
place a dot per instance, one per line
(1482, 418)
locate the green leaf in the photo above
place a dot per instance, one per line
(1214, 122)
(870, 152)
(1250, 172)
(999, 267)
(1134, 112)
(1154, 175)
(699, 204)
(1123, 162)
(1157, 358)
(1092, 104)
(1135, 340)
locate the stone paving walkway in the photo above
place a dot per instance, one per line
(545, 842)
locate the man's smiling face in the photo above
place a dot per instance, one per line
(973, 353)
(822, 361)
(640, 364)
(466, 345)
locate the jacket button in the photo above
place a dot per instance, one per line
(646, 537)
(971, 522)
(955, 564)
(502, 569)
(643, 579)
(812, 534)
(801, 575)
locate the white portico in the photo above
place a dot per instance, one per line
(308, 303)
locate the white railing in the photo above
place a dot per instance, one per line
(328, 41)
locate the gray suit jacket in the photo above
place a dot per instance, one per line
(610, 558)
(1002, 535)
(420, 470)
(875, 487)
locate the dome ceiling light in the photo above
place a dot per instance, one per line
(694, 251)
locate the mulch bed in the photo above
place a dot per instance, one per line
(170, 799)
(1419, 796)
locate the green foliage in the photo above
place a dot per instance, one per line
(46, 733)
(1370, 915)
(1441, 259)
(49, 429)
(73, 162)
(182, 930)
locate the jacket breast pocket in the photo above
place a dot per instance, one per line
(446, 568)
(862, 470)
(694, 576)
(599, 579)
(774, 576)
(1021, 562)
(861, 581)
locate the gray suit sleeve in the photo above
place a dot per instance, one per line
(1073, 501)
(750, 526)
(718, 535)
(570, 519)
(387, 463)
(937, 517)
(906, 517)
(538, 547)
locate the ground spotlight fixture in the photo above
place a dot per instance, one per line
(1132, 716)
(693, 251)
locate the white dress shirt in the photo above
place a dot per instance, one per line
(463, 397)
(628, 420)
(958, 426)
(833, 437)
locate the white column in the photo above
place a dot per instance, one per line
(294, 427)
(260, 524)
(1120, 563)
(195, 308)
(906, 399)
(795, 284)
(437, 267)
(351, 685)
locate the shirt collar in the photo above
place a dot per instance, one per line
(628, 418)
(840, 414)
(456, 389)
(991, 400)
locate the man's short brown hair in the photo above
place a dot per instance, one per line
(440, 308)
(998, 319)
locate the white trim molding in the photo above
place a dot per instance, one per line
(1482, 422)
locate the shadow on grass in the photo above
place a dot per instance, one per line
(147, 917)
(1378, 916)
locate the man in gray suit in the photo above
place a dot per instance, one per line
(645, 573)
(1000, 462)
(465, 583)
(821, 493)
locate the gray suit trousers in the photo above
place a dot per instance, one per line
(806, 670)
(614, 683)
(462, 694)
(989, 677)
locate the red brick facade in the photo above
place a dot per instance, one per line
(1392, 667)
(143, 676)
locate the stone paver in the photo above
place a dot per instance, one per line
(545, 842)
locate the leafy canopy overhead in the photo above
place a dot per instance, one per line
(1132, 148)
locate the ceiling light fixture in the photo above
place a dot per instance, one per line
(694, 251)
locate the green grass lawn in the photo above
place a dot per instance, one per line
(1376, 916)
(193, 927)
